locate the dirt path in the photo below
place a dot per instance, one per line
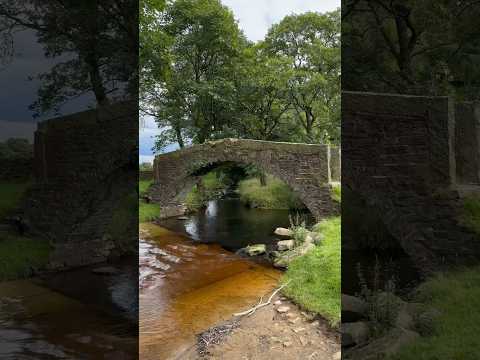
(269, 334)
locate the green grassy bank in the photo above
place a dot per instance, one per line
(20, 257)
(146, 211)
(11, 195)
(455, 298)
(275, 195)
(314, 278)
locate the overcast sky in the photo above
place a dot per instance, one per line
(18, 91)
(255, 18)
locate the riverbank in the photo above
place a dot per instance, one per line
(280, 330)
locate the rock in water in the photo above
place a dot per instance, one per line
(283, 232)
(285, 245)
(254, 250)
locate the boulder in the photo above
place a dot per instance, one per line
(353, 308)
(254, 250)
(285, 245)
(283, 232)
(383, 347)
(285, 258)
(359, 332)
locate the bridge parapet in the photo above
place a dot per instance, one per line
(304, 167)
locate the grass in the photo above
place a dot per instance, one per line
(471, 213)
(10, 196)
(146, 211)
(20, 257)
(275, 195)
(143, 186)
(315, 277)
(337, 192)
(454, 335)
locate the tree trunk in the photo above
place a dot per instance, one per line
(263, 179)
(178, 134)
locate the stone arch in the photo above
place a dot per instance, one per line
(303, 167)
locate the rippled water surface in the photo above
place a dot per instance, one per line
(187, 287)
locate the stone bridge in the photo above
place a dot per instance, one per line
(410, 158)
(308, 169)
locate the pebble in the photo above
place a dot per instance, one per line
(294, 321)
(278, 302)
(337, 355)
(298, 330)
(283, 309)
(287, 343)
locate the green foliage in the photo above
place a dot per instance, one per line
(123, 219)
(21, 257)
(299, 230)
(212, 186)
(275, 195)
(383, 305)
(16, 148)
(314, 278)
(10, 196)
(143, 186)
(202, 80)
(455, 297)
(93, 42)
(420, 47)
(471, 213)
(147, 211)
(146, 166)
(337, 192)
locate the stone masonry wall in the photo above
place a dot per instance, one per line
(398, 155)
(86, 167)
(467, 143)
(303, 167)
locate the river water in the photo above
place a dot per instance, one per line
(71, 315)
(190, 278)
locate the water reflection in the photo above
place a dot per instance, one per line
(187, 287)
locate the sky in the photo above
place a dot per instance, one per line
(18, 91)
(255, 18)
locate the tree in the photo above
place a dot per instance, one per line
(95, 42)
(424, 47)
(192, 92)
(261, 94)
(311, 43)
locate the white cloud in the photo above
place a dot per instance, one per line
(256, 16)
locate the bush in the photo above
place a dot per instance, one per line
(314, 278)
(275, 195)
(337, 193)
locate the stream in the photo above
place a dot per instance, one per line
(190, 277)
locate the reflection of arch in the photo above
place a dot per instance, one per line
(303, 167)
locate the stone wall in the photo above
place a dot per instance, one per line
(303, 167)
(398, 155)
(467, 143)
(84, 198)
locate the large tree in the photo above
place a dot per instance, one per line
(95, 43)
(414, 46)
(311, 43)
